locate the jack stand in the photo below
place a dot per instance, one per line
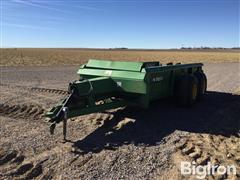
(65, 111)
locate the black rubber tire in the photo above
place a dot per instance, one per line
(186, 90)
(202, 84)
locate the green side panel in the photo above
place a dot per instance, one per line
(131, 86)
(115, 65)
(181, 67)
(160, 85)
(161, 79)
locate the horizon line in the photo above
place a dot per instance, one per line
(123, 48)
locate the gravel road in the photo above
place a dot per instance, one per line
(119, 144)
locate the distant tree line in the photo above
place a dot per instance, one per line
(119, 48)
(205, 47)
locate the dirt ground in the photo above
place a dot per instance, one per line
(118, 144)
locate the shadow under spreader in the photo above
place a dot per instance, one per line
(218, 113)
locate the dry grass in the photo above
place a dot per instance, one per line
(28, 56)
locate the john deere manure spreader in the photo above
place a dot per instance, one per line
(107, 84)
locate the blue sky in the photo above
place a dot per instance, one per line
(110, 24)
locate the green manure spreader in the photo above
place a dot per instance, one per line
(107, 84)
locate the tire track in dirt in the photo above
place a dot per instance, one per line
(12, 164)
(55, 91)
(38, 89)
(218, 150)
(17, 166)
(22, 111)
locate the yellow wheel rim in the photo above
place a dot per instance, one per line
(194, 92)
(204, 87)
